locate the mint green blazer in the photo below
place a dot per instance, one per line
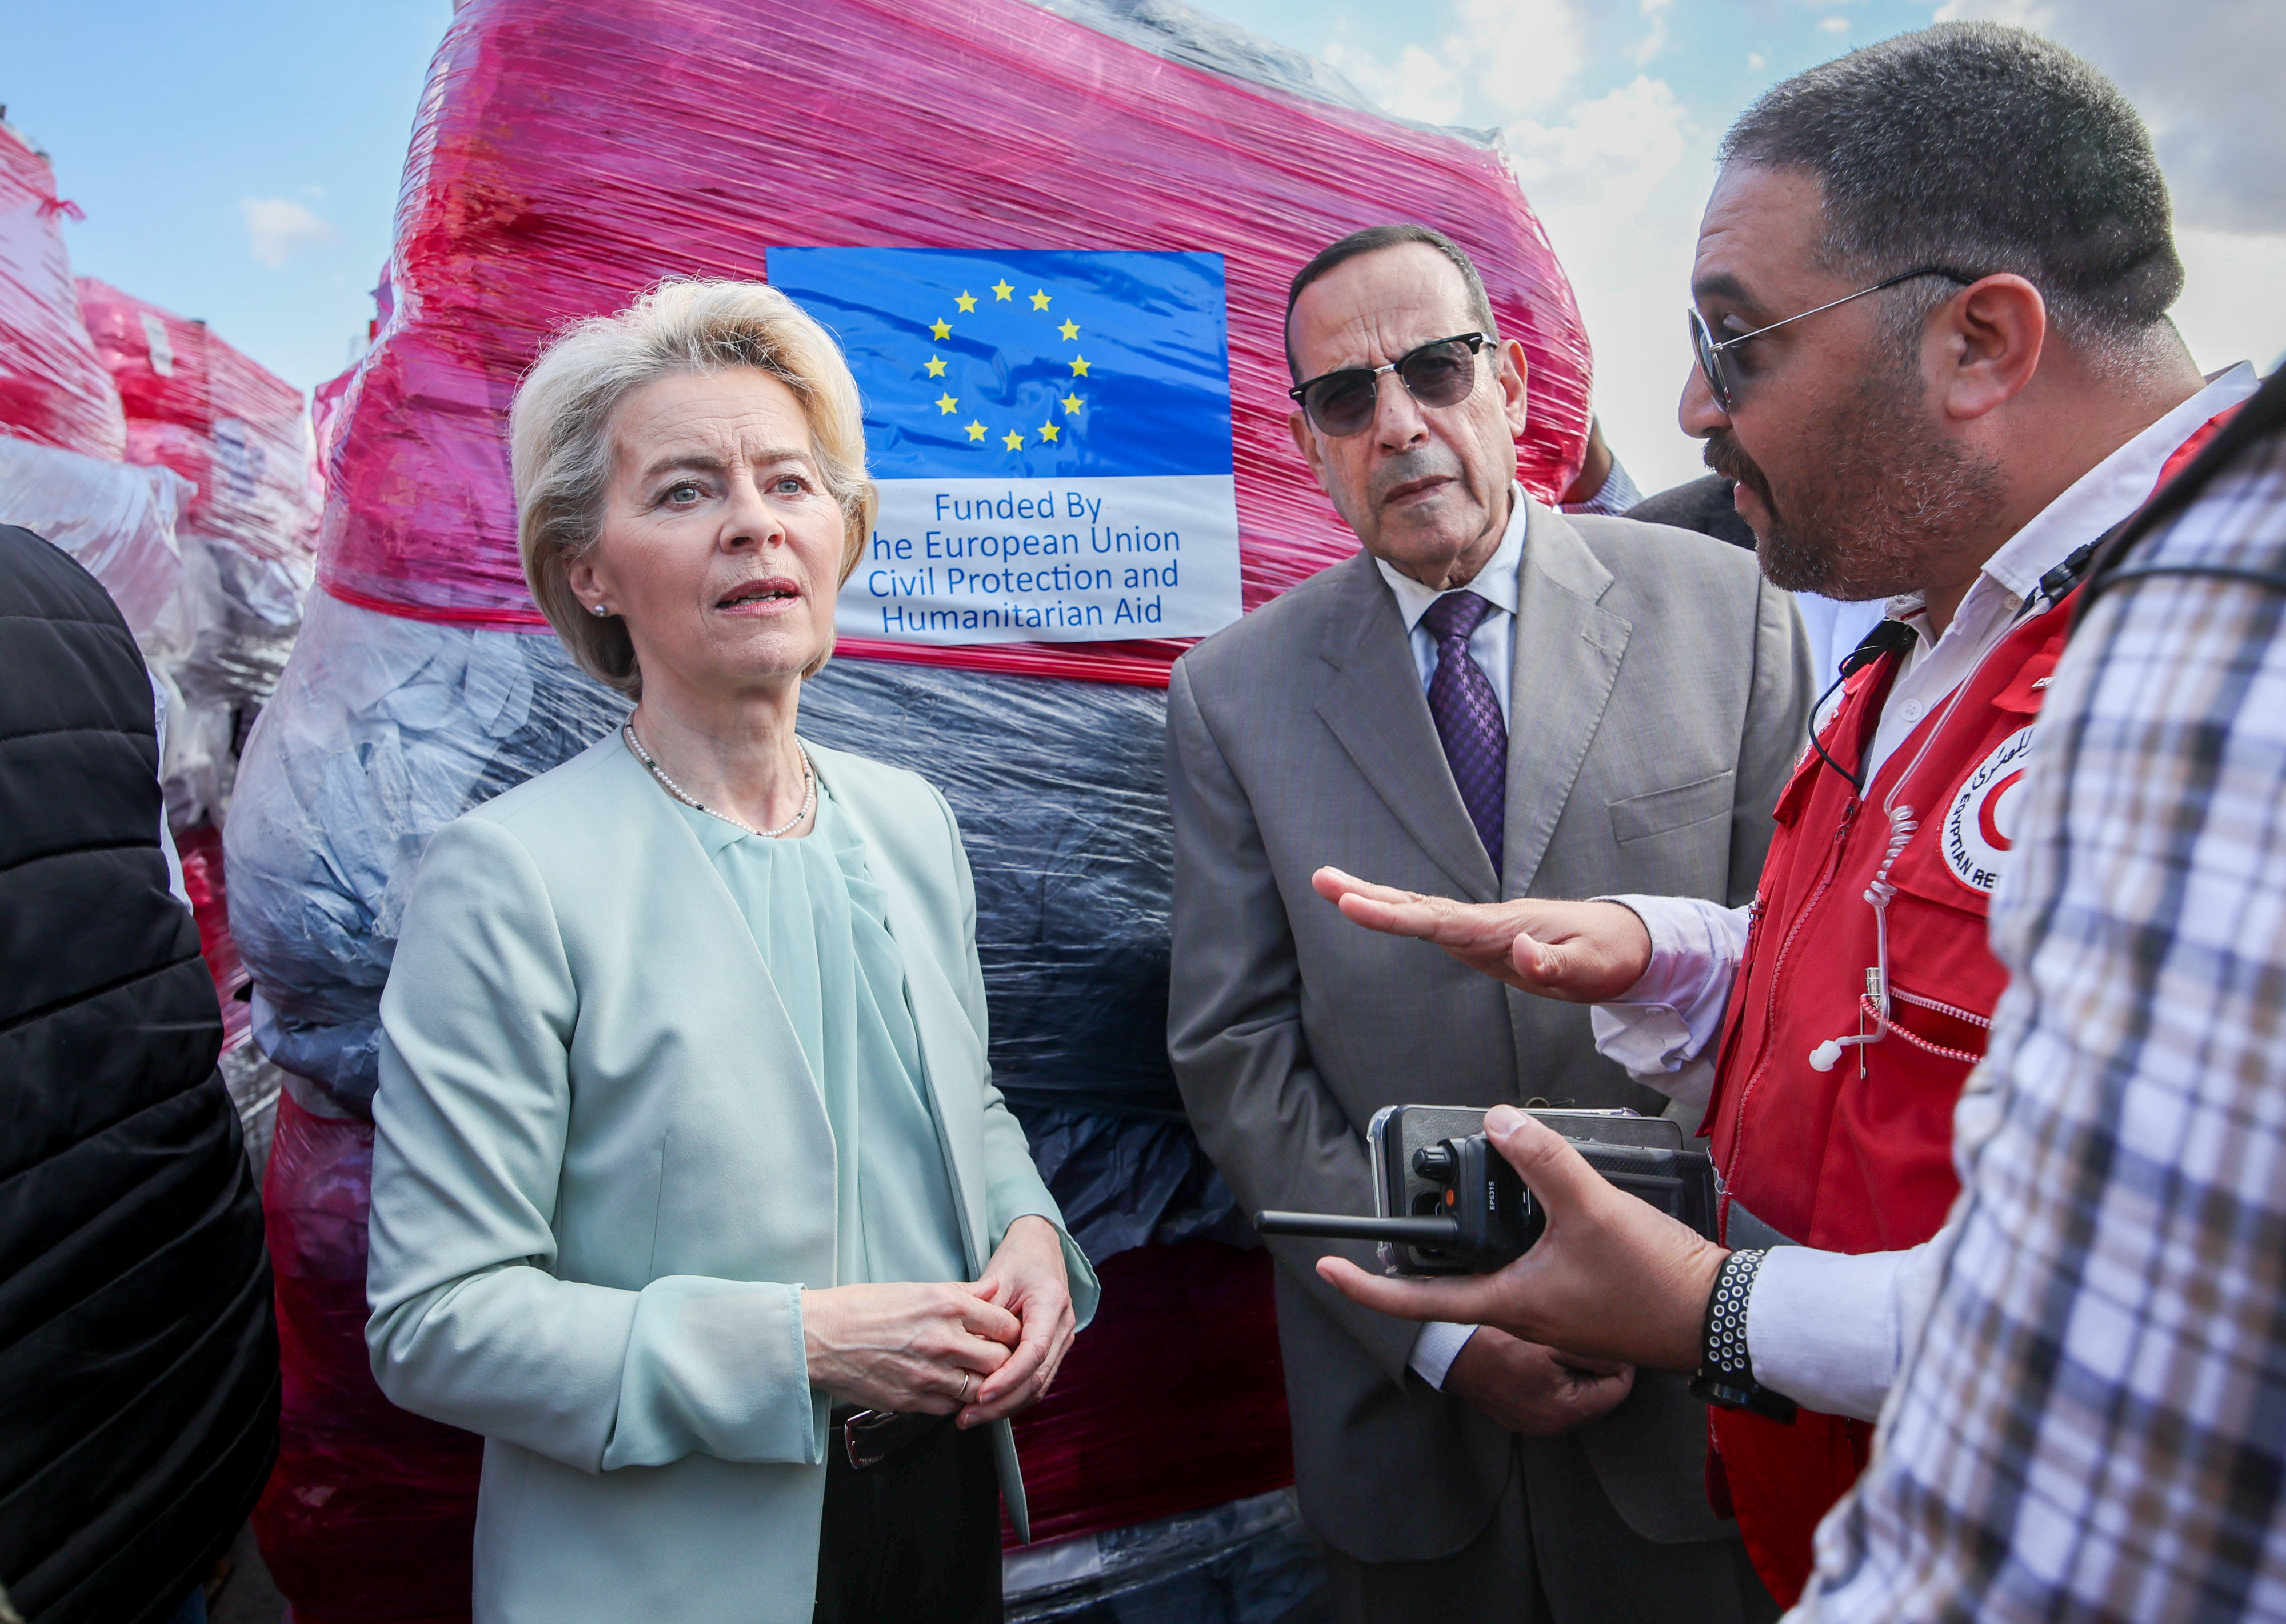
(603, 1169)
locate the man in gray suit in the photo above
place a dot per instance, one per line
(1490, 700)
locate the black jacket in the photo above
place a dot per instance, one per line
(138, 1362)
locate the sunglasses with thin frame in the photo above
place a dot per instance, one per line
(1440, 373)
(1710, 351)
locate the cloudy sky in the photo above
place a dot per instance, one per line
(238, 160)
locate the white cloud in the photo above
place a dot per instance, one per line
(1651, 44)
(1501, 59)
(277, 228)
(1417, 83)
(1834, 25)
(1612, 152)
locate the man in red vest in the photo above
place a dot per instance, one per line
(1930, 299)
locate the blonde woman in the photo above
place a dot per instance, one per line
(691, 1191)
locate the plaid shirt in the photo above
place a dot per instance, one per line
(2092, 1425)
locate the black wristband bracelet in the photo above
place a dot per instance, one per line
(1726, 1370)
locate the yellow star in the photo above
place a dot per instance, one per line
(1049, 431)
(1070, 329)
(947, 405)
(1079, 366)
(1001, 290)
(942, 329)
(1039, 300)
(1013, 440)
(966, 301)
(976, 431)
(1072, 404)
(936, 367)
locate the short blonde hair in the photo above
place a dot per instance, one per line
(559, 433)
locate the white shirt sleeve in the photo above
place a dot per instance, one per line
(1661, 1030)
(1830, 1330)
(1436, 1347)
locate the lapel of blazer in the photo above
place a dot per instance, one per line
(1374, 706)
(1565, 663)
(950, 1045)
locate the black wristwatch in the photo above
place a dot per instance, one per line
(1726, 1372)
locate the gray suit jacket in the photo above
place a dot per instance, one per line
(1660, 694)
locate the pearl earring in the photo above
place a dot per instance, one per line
(600, 610)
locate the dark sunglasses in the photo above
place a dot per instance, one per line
(1717, 369)
(1440, 373)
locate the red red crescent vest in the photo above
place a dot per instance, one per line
(1849, 1149)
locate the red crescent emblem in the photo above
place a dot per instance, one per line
(1985, 823)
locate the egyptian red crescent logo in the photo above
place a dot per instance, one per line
(1988, 824)
(1975, 838)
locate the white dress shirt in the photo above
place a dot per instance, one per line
(1835, 629)
(1493, 646)
(1824, 1328)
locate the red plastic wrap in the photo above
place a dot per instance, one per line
(1174, 1400)
(369, 1517)
(569, 152)
(52, 388)
(197, 406)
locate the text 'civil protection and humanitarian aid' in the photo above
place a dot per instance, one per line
(1053, 561)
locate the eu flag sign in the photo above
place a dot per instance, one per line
(1051, 432)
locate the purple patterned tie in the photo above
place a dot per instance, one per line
(1467, 717)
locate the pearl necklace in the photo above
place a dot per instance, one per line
(809, 784)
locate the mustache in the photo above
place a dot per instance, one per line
(1426, 463)
(1726, 457)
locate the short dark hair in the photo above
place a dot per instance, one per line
(1987, 149)
(1372, 239)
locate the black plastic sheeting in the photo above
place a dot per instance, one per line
(385, 728)
(1248, 1562)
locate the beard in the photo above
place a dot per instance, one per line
(1885, 501)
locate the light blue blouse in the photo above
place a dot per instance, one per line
(821, 924)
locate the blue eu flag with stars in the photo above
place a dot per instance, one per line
(978, 364)
(1051, 432)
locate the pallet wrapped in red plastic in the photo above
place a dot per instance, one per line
(247, 539)
(220, 420)
(53, 390)
(570, 153)
(241, 435)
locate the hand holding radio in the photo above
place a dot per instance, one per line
(1608, 1273)
(1580, 953)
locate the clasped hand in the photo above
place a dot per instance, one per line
(981, 1350)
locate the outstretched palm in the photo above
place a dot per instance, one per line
(1580, 952)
